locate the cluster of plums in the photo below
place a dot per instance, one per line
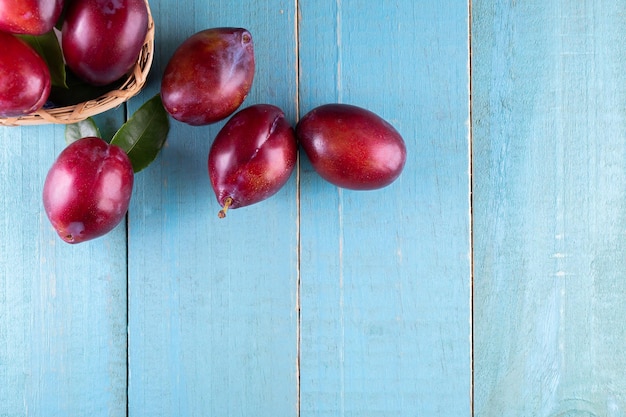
(25, 80)
(254, 154)
(88, 188)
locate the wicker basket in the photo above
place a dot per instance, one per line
(72, 114)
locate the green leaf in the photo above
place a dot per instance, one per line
(144, 134)
(47, 46)
(82, 129)
(78, 91)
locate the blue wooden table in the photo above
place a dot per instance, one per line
(488, 280)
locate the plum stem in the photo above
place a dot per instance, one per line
(227, 204)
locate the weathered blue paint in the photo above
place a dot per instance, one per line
(62, 307)
(213, 302)
(385, 275)
(316, 302)
(549, 143)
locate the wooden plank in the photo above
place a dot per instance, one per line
(385, 275)
(212, 316)
(62, 307)
(549, 156)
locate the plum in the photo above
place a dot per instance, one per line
(209, 76)
(102, 38)
(24, 78)
(29, 17)
(351, 147)
(88, 189)
(252, 157)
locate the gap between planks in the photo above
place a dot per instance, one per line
(471, 202)
(296, 20)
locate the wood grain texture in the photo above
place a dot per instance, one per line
(385, 286)
(549, 143)
(213, 315)
(62, 307)
(316, 302)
